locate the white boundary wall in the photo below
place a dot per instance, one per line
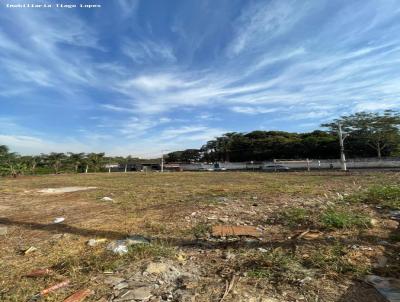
(355, 163)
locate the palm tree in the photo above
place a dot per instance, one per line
(56, 160)
(31, 161)
(76, 159)
(11, 163)
(95, 160)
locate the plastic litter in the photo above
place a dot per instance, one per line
(49, 290)
(58, 219)
(120, 247)
(30, 250)
(395, 215)
(79, 296)
(106, 199)
(41, 272)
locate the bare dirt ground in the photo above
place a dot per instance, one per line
(315, 240)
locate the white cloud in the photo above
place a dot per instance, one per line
(146, 51)
(253, 110)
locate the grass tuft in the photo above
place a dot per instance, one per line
(385, 196)
(201, 230)
(294, 217)
(338, 218)
(276, 266)
(333, 259)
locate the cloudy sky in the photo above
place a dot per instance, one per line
(138, 77)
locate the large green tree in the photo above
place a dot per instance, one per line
(378, 131)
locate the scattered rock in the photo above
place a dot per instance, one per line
(59, 236)
(157, 268)
(140, 293)
(121, 285)
(95, 242)
(3, 230)
(136, 239)
(381, 262)
(391, 224)
(113, 280)
(222, 199)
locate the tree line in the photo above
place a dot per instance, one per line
(367, 135)
(13, 164)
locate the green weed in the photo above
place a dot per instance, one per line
(338, 218)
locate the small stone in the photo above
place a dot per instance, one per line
(374, 222)
(136, 239)
(3, 230)
(381, 262)
(157, 268)
(140, 293)
(121, 285)
(112, 280)
(392, 224)
(95, 242)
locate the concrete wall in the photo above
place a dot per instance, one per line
(355, 163)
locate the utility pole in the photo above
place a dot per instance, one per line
(341, 140)
(162, 160)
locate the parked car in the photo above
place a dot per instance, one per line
(275, 168)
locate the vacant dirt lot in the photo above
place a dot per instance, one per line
(315, 236)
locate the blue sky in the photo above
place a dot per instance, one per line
(138, 77)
